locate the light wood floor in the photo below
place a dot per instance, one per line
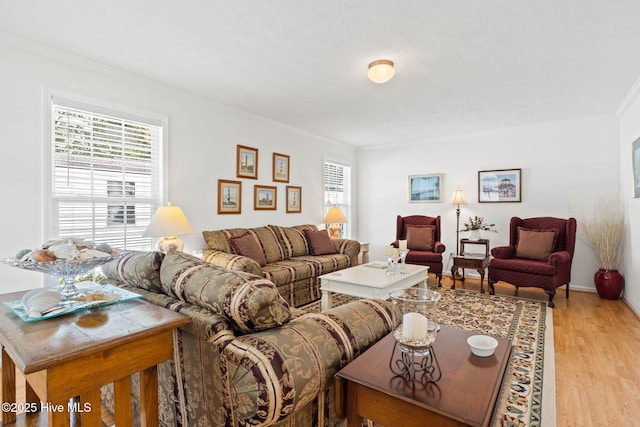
(597, 348)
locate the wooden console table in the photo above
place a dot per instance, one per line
(477, 261)
(74, 355)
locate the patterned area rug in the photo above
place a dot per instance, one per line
(519, 320)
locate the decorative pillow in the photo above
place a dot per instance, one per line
(420, 237)
(535, 244)
(251, 302)
(319, 242)
(247, 245)
(140, 269)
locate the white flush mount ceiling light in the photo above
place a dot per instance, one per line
(381, 71)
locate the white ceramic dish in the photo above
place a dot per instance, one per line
(482, 345)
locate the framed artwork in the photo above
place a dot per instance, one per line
(229, 197)
(294, 199)
(247, 162)
(280, 167)
(500, 186)
(635, 149)
(264, 198)
(425, 188)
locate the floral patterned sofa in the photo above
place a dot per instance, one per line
(291, 257)
(247, 357)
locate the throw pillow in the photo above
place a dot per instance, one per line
(535, 244)
(319, 242)
(420, 237)
(140, 269)
(247, 245)
(251, 302)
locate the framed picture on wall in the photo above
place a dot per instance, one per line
(500, 186)
(264, 198)
(635, 152)
(425, 188)
(247, 162)
(294, 199)
(280, 167)
(229, 197)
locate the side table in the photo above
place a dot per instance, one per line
(74, 355)
(364, 250)
(478, 261)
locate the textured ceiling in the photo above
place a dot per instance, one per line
(461, 66)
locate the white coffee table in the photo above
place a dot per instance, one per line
(365, 281)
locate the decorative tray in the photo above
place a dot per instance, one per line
(112, 295)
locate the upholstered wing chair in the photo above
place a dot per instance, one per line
(423, 241)
(539, 255)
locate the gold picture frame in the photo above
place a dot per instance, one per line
(280, 167)
(265, 198)
(229, 197)
(294, 199)
(246, 162)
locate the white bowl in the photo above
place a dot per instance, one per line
(482, 345)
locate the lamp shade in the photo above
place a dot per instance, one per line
(334, 216)
(381, 71)
(168, 221)
(458, 197)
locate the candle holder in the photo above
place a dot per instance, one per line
(415, 336)
(393, 255)
(402, 269)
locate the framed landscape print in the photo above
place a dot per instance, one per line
(635, 152)
(247, 162)
(294, 199)
(500, 186)
(264, 198)
(229, 197)
(425, 188)
(280, 167)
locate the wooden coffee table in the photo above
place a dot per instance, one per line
(74, 355)
(365, 281)
(466, 394)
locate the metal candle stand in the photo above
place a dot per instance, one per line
(408, 367)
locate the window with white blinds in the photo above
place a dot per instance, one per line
(337, 191)
(106, 174)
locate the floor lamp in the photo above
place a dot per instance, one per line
(458, 199)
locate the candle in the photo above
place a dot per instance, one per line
(388, 250)
(402, 244)
(414, 326)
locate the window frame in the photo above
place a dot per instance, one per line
(330, 198)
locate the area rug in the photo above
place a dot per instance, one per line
(530, 376)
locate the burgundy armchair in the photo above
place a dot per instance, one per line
(539, 255)
(422, 252)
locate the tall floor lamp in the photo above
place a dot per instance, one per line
(458, 199)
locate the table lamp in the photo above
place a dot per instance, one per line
(458, 199)
(335, 218)
(168, 222)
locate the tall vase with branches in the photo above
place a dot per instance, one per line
(604, 231)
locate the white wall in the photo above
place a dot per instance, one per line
(202, 139)
(629, 132)
(565, 167)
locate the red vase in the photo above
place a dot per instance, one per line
(609, 283)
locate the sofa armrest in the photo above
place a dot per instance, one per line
(557, 258)
(232, 261)
(298, 360)
(349, 247)
(439, 247)
(503, 252)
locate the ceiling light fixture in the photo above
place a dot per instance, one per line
(381, 71)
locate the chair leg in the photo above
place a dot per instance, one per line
(439, 277)
(551, 295)
(492, 290)
(567, 291)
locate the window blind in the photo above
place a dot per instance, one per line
(337, 191)
(106, 171)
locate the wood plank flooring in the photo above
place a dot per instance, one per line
(597, 343)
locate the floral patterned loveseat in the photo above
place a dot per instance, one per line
(247, 357)
(292, 258)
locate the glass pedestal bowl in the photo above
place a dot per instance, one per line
(68, 270)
